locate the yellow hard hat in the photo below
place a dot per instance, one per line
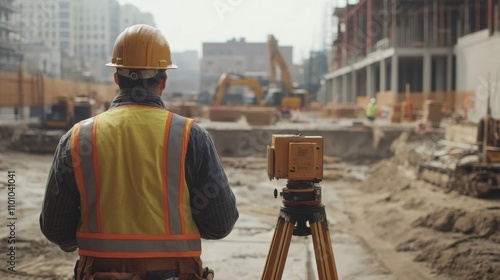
(141, 47)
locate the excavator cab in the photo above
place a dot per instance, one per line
(59, 116)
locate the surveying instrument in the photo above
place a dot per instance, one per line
(299, 159)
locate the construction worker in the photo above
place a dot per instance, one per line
(135, 188)
(371, 110)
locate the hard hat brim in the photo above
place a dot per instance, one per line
(110, 64)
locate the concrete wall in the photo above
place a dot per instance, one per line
(478, 71)
(348, 143)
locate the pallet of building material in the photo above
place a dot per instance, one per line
(261, 116)
(432, 112)
(327, 111)
(185, 109)
(224, 114)
(396, 113)
(345, 111)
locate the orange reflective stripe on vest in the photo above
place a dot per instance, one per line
(129, 169)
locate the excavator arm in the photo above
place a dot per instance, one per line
(287, 97)
(227, 80)
(276, 59)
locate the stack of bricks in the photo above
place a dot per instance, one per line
(261, 116)
(224, 114)
(432, 113)
(396, 113)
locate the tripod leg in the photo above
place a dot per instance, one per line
(325, 261)
(278, 251)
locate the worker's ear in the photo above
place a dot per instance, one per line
(163, 82)
(116, 78)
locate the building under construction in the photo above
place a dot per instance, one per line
(388, 45)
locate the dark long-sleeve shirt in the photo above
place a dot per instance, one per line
(213, 204)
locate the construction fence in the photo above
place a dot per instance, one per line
(18, 89)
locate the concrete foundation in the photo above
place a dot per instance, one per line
(349, 143)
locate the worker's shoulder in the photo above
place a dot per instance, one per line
(198, 132)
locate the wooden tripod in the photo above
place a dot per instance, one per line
(292, 220)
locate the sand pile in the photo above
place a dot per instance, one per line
(457, 236)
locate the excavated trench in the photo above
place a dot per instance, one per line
(349, 143)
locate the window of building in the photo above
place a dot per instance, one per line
(64, 15)
(64, 45)
(64, 34)
(64, 24)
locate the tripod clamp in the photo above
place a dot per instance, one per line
(302, 204)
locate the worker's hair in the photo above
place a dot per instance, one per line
(148, 84)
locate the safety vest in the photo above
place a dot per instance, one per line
(129, 169)
(371, 110)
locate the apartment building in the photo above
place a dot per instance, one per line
(74, 39)
(240, 57)
(10, 55)
(185, 79)
(130, 15)
(385, 45)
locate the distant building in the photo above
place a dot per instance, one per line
(131, 15)
(434, 46)
(478, 70)
(39, 58)
(10, 55)
(314, 69)
(185, 79)
(240, 57)
(384, 45)
(97, 26)
(46, 29)
(80, 33)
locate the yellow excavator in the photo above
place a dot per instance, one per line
(285, 97)
(227, 80)
(43, 137)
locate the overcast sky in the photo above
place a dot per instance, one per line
(188, 23)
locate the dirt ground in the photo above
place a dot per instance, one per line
(384, 223)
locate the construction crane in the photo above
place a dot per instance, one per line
(227, 80)
(286, 96)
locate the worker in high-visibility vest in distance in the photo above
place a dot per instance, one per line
(371, 110)
(135, 188)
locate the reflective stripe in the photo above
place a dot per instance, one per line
(75, 160)
(87, 165)
(139, 245)
(97, 176)
(184, 201)
(174, 172)
(165, 166)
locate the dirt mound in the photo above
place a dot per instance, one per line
(456, 243)
(399, 171)
(482, 223)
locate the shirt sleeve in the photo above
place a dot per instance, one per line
(61, 205)
(213, 204)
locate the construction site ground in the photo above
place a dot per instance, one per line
(384, 222)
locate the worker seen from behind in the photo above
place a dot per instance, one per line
(135, 188)
(371, 110)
